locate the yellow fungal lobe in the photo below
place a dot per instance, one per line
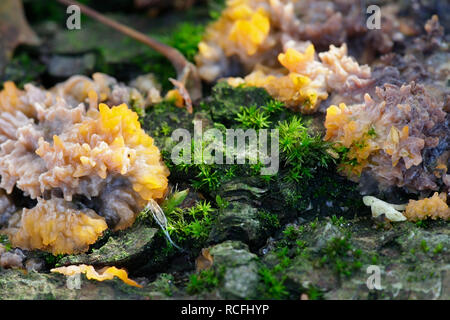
(55, 226)
(64, 149)
(106, 273)
(250, 28)
(301, 85)
(296, 61)
(434, 207)
(110, 141)
(175, 96)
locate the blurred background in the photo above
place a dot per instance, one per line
(61, 53)
(36, 46)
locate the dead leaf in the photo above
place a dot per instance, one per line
(14, 29)
(204, 261)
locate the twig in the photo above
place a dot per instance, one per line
(186, 71)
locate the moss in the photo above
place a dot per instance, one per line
(342, 256)
(190, 227)
(221, 203)
(253, 117)
(164, 284)
(215, 8)
(314, 293)
(337, 221)
(438, 249)
(273, 287)
(424, 246)
(206, 280)
(52, 260)
(268, 220)
(5, 242)
(290, 233)
(185, 38)
(23, 68)
(302, 152)
(225, 101)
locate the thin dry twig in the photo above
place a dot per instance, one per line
(186, 71)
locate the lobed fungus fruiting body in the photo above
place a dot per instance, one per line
(90, 166)
(106, 273)
(11, 259)
(379, 207)
(388, 136)
(250, 34)
(7, 208)
(55, 226)
(433, 207)
(306, 80)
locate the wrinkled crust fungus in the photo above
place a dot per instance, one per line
(307, 80)
(53, 225)
(434, 207)
(255, 39)
(387, 137)
(88, 165)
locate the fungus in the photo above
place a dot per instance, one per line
(88, 168)
(307, 81)
(7, 208)
(433, 207)
(387, 138)
(243, 30)
(11, 259)
(380, 207)
(204, 261)
(250, 32)
(56, 226)
(106, 273)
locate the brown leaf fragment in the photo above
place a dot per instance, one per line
(184, 93)
(204, 261)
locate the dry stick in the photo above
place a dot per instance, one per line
(185, 70)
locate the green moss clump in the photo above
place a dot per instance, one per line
(302, 152)
(206, 280)
(342, 256)
(225, 101)
(273, 287)
(186, 38)
(190, 227)
(268, 220)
